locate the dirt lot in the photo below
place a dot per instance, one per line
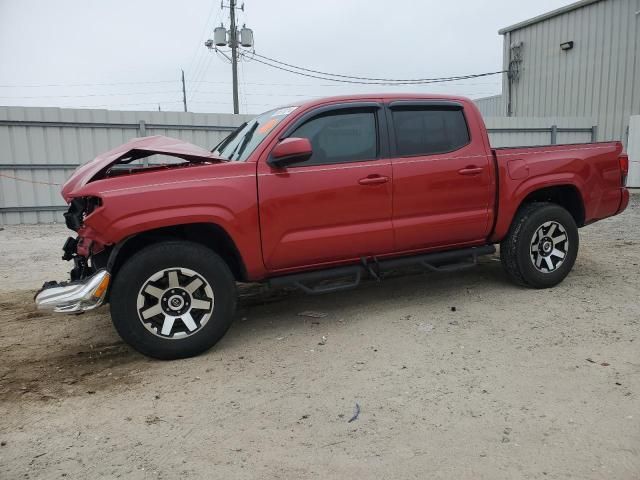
(514, 383)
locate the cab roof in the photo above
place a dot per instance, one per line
(377, 96)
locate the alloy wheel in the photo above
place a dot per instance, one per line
(549, 247)
(175, 303)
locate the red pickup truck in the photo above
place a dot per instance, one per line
(319, 195)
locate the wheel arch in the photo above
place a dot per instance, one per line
(567, 196)
(210, 235)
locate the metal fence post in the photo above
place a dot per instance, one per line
(594, 133)
(142, 132)
(554, 134)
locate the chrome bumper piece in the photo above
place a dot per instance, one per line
(75, 297)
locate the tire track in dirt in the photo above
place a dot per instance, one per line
(48, 357)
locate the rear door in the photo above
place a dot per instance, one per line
(336, 206)
(441, 176)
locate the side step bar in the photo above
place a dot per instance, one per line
(450, 261)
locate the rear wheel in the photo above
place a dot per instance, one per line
(541, 247)
(173, 300)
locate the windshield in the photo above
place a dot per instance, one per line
(242, 142)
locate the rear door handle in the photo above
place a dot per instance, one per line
(373, 180)
(470, 170)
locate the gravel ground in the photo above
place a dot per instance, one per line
(512, 383)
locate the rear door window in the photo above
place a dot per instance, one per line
(428, 130)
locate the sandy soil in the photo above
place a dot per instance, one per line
(514, 383)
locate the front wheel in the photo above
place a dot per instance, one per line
(173, 300)
(541, 247)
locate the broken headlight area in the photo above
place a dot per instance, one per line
(79, 209)
(81, 264)
(85, 263)
(70, 248)
(87, 255)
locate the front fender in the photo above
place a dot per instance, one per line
(139, 222)
(138, 203)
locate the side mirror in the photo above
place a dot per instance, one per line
(289, 151)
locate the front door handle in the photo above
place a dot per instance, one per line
(373, 180)
(470, 170)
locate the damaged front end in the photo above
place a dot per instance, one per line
(92, 250)
(89, 278)
(75, 296)
(82, 248)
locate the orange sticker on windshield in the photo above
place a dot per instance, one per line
(268, 126)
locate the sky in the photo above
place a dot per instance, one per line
(127, 54)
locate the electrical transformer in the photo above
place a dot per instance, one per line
(220, 36)
(246, 37)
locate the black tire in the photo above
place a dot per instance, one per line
(519, 257)
(183, 256)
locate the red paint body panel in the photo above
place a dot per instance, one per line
(593, 169)
(292, 146)
(223, 194)
(307, 217)
(320, 214)
(436, 202)
(138, 147)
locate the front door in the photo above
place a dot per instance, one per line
(336, 206)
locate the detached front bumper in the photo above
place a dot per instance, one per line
(76, 296)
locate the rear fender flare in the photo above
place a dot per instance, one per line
(509, 207)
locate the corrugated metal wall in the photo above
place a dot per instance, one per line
(599, 77)
(633, 180)
(491, 106)
(42, 146)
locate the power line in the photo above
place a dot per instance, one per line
(373, 79)
(202, 35)
(93, 95)
(243, 92)
(367, 82)
(301, 95)
(88, 84)
(119, 104)
(232, 38)
(189, 80)
(202, 59)
(250, 104)
(332, 84)
(199, 70)
(197, 85)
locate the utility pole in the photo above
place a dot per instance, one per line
(230, 38)
(184, 92)
(233, 40)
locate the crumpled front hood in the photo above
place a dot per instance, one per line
(136, 148)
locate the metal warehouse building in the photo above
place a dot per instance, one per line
(582, 60)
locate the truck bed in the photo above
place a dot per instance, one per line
(591, 168)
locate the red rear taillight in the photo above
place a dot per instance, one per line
(624, 167)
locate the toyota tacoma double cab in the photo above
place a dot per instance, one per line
(318, 195)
